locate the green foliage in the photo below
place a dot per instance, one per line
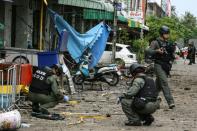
(123, 37)
(185, 27)
(177, 30)
(190, 22)
(173, 12)
(140, 45)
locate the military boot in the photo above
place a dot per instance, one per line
(171, 106)
(133, 123)
(44, 111)
(35, 107)
(148, 119)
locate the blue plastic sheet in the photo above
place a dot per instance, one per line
(76, 44)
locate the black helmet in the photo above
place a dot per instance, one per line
(135, 66)
(164, 30)
(58, 68)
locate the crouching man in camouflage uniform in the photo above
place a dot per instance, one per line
(44, 89)
(140, 101)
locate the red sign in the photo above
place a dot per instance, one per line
(135, 14)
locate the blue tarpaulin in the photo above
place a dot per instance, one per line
(95, 39)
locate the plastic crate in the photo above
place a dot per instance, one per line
(47, 59)
(26, 74)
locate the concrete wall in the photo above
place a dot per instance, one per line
(2, 20)
(155, 10)
(24, 18)
(8, 24)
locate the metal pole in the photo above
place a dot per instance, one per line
(142, 46)
(114, 33)
(41, 26)
(141, 33)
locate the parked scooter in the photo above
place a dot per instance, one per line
(108, 74)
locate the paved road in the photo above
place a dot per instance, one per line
(184, 118)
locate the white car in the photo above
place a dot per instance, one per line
(123, 53)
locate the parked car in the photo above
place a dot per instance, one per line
(124, 53)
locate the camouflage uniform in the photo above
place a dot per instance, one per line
(127, 100)
(161, 74)
(41, 102)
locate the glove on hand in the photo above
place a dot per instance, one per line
(66, 98)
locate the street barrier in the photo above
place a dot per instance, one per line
(9, 88)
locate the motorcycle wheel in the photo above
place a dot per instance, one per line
(111, 78)
(78, 79)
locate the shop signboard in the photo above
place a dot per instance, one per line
(137, 16)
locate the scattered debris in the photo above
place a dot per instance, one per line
(78, 122)
(83, 116)
(159, 125)
(166, 110)
(25, 125)
(108, 115)
(172, 119)
(73, 103)
(187, 88)
(86, 100)
(47, 116)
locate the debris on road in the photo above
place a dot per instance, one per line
(82, 116)
(187, 88)
(25, 125)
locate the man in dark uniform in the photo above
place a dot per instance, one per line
(163, 55)
(190, 54)
(193, 53)
(140, 101)
(44, 89)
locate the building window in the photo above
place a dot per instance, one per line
(139, 5)
(136, 5)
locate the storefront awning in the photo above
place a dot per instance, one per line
(91, 4)
(135, 24)
(122, 18)
(97, 14)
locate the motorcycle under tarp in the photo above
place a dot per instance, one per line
(93, 41)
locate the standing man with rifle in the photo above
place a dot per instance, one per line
(163, 54)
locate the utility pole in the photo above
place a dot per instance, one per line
(41, 25)
(114, 32)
